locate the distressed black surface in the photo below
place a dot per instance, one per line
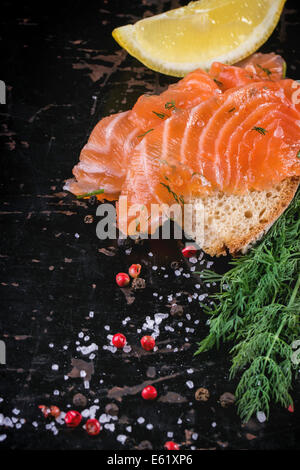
(64, 72)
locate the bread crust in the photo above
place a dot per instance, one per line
(241, 240)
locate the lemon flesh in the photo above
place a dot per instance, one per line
(181, 40)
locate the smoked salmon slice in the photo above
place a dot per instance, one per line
(104, 159)
(247, 138)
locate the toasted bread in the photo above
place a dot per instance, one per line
(234, 223)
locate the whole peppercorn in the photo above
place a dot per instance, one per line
(188, 251)
(170, 445)
(148, 343)
(134, 270)
(122, 279)
(73, 418)
(119, 340)
(202, 394)
(138, 283)
(149, 393)
(79, 400)
(54, 411)
(45, 410)
(92, 427)
(227, 399)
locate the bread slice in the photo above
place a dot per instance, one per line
(233, 223)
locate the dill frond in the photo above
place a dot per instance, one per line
(257, 309)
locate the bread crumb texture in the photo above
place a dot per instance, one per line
(233, 223)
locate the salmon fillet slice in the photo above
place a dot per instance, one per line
(104, 159)
(248, 138)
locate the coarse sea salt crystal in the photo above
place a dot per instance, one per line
(127, 348)
(149, 426)
(177, 272)
(51, 345)
(154, 268)
(190, 371)
(55, 367)
(150, 253)
(261, 417)
(121, 438)
(91, 314)
(190, 384)
(85, 413)
(3, 437)
(34, 424)
(179, 421)
(170, 434)
(76, 235)
(104, 418)
(110, 426)
(129, 429)
(193, 260)
(16, 411)
(159, 317)
(141, 420)
(88, 349)
(194, 436)
(55, 392)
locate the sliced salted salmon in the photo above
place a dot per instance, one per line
(104, 159)
(229, 76)
(248, 138)
(269, 66)
(196, 87)
(256, 67)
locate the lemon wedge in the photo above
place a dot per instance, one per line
(181, 40)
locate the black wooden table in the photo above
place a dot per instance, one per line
(59, 300)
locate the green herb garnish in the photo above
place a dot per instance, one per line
(178, 199)
(257, 310)
(93, 193)
(170, 105)
(231, 110)
(218, 82)
(160, 115)
(298, 154)
(143, 135)
(267, 71)
(261, 130)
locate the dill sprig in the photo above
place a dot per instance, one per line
(145, 133)
(160, 115)
(261, 130)
(93, 193)
(264, 69)
(257, 309)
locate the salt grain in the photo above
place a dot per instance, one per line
(121, 438)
